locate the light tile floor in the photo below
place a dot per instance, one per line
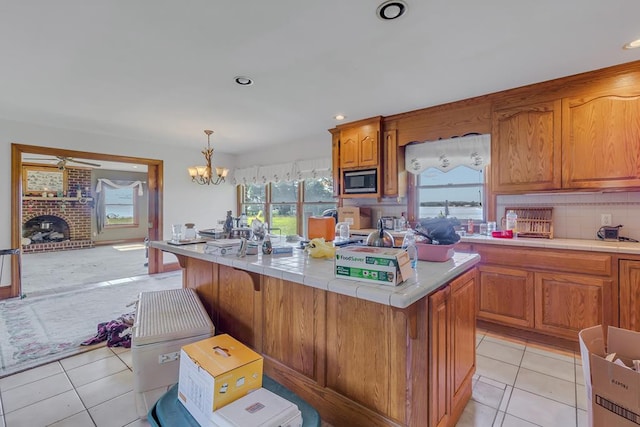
(517, 384)
(520, 383)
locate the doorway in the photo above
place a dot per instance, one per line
(154, 188)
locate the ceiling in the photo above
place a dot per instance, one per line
(163, 70)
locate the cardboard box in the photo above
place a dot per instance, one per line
(382, 266)
(358, 218)
(613, 391)
(214, 372)
(260, 408)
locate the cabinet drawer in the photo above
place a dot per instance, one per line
(544, 259)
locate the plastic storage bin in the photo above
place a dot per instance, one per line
(165, 321)
(169, 412)
(437, 253)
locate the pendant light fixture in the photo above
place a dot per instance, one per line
(204, 174)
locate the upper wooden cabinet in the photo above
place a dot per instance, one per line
(360, 144)
(589, 141)
(601, 142)
(526, 148)
(390, 163)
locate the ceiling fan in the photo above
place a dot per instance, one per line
(61, 161)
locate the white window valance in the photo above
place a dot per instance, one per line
(314, 168)
(129, 184)
(473, 151)
(298, 170)
(246, 175)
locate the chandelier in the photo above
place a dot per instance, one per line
(203, 174)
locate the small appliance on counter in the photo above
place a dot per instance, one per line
(612, 234)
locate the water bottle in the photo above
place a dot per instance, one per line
(512, 221)
(243, 220)
(409, 244)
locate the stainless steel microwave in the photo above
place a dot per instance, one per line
(360, 182)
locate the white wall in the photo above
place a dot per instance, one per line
(311, 149)
(184, 201)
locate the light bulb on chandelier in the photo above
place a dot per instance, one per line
(203, 174)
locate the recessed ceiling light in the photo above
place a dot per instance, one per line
(243, 81)
(391, 9)
(632, 45)
(339, 117)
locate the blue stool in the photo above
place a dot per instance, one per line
(168, 412)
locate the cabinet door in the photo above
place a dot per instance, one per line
(390, 152)
(335, 162)
(463, 338)
(630, 294)
(567, 303)
(368, 142)
(526, 148)
(439, 358)
(349, 148)
(601, 142)
(505, 295)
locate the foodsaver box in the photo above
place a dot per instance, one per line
(382, 266)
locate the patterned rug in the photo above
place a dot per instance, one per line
(45, 328)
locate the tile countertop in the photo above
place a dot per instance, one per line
(572, 244)
(319, 273)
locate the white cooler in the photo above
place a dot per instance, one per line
(165, 321)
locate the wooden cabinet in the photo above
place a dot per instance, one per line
(588, 141)
(506, 295)
(601, 141)
(360, 144)
(567, 303)
(358, 362)
(452, 349)
(629, 284)
(390, 164)
(526, 148)
(440, 358)
(335, 161)
(548, 291)
(463, 339)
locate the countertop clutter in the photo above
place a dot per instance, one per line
(319, 273)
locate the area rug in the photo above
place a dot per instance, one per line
(42, 329)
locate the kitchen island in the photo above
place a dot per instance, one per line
(362, 354)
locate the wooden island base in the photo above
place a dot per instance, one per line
(359, 363)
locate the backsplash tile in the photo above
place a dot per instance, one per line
(577, 215)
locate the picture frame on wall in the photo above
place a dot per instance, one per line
(37, 180)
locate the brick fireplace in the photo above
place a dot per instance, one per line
(59, 223)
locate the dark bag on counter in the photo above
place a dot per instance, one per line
(440, 229)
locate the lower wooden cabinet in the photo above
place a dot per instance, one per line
(629, 279)
(567, 303)
(452, 349)
(553, 292)
(506, 295)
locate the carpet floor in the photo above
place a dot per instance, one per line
(49, 271)
(41, 329)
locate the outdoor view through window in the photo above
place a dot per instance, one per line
(119, 206)
(456, 193)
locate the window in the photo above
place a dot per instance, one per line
(120, 207)
(286, 206)
(458, 193)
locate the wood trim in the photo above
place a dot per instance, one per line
(155, 188)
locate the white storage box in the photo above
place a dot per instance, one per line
(260, 408)
(165, 321)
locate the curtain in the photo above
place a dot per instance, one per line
(314, 168)
(473, 151)
(301, 169)
(100, 208)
